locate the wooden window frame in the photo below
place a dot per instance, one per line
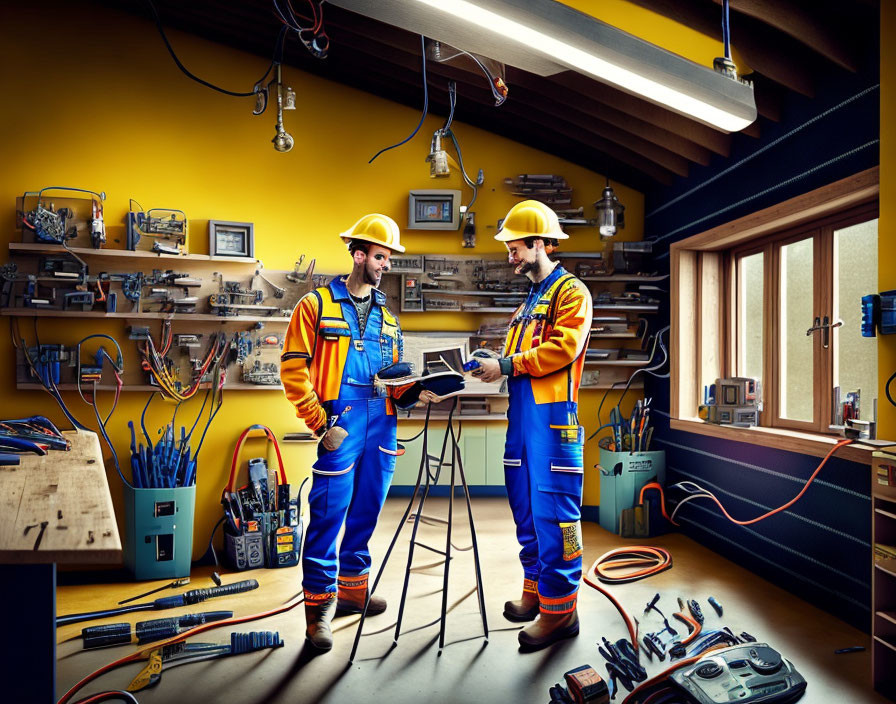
(703, 276)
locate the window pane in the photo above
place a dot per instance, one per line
(750, 317)
(855, 249)
(797, 361)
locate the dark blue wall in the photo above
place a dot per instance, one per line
(819, 549)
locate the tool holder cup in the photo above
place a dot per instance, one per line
(263, 526)
(622, 476)
(159, 531)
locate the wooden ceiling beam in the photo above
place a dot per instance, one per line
(671, 141)
(760, 46)
(716, 141)
(806, 27)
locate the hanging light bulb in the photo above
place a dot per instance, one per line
(438, 158)
(610, 213)
(283, 141)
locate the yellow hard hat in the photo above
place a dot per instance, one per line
(530, 218)
(377, 229)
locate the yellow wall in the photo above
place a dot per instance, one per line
(887, 227)
(663, 31)
(97, 103)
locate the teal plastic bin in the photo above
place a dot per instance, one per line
(159, 531)
(622, 475)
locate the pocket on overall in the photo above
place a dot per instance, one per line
(561, 499)
(342, 459)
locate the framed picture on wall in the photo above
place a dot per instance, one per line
(231, 239)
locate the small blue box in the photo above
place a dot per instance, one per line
(622, 475)
(887, 312)
(159, 531)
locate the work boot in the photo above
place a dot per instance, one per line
(352, 593)
(526, 608)
(318, 614)
(558, 620)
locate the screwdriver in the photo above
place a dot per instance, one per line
(146, 631)
(193, 596)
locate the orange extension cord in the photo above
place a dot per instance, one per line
(790, 503)
(649, 560)
(142, 653)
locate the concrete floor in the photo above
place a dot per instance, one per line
(468, 669)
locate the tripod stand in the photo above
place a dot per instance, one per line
(457, 466)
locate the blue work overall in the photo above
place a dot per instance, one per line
(349, 484)
(543, 456)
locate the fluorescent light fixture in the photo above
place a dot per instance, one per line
(547, 37)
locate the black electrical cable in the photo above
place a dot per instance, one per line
(102, 425)
(887, 389)
(726, 29)
(460, 160)
(425, 105)
(452, 101)
(211, 541)
(657, 341)
(277, 48)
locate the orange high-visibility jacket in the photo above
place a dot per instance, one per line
(322, 351)
(548, 344)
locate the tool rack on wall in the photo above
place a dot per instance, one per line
(206, 276)
(486, 286)
(883, 578)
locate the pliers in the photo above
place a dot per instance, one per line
(184, 653)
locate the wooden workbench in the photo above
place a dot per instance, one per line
(55, 509)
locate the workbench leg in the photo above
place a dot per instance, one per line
(28, 666)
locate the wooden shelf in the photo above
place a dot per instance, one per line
(40, 248)
(619, 387)
(145, 387)
(624, 277)
(886, 566)
(457, 416)
(618, 306)
(484, 309)
(889, 645)
(178, 317)
(887, 615)
(626, 335)
(616, 362)
(491, 294)
(578, 255)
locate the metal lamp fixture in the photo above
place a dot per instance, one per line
(283, 141)
(547, 37)
(438, 157)
(610, 213)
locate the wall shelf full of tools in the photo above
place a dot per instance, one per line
(181, 311)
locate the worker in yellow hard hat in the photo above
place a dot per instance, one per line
(339, 337)
(543, 357)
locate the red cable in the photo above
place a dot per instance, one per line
(635, 555)
(790, 503)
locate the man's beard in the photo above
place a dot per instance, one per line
(529, 268)
(370, 278)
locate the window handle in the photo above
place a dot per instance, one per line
(826, 331)
(825, 327)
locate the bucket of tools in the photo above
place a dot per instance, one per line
(262, 522)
